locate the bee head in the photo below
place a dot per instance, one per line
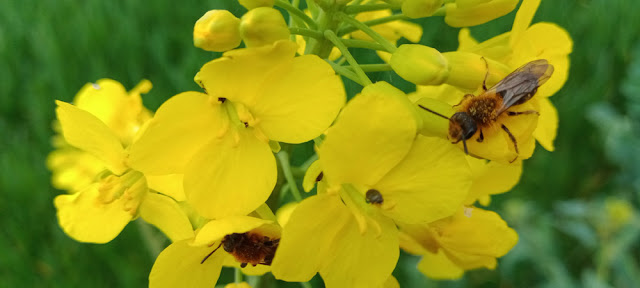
(231, 241)
(462, 126)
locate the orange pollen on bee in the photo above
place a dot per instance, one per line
(483, 109)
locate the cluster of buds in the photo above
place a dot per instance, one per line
(391, 171)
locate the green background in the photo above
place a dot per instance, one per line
(50, 48)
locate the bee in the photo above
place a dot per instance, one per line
(482, 111)
(248, 248)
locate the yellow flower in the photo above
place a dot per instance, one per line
(376, 171)
(98, 212)
(505, 53)
(472, 238)
(465, 13)
(197, 262)
(220, 139)
(217, 30)
(263, 26)
(122, 112)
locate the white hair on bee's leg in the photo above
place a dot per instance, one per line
(467, 211)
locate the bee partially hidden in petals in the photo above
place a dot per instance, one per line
(481, 112)
(249, 248)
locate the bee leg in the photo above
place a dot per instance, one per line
(513, 139)
(484, 82)
(464, 143)
(463, 98)
(481, 137)
(242, 265)
(512, 113)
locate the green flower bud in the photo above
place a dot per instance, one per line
(420, 64)
(217, 30)
(420, 8)
(465, 13)
(263, 26)
(252, 4)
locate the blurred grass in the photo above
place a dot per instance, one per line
(50, 48)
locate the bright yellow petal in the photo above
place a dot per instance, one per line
(230, 176)
(547, 128)
(258, 270)
(523, 20)
(241, 73)
(238, 285)
(491, 178)
(181, 265)
(354, 150)
(84, 218)
(170, 185)
(181, 126)
(475, 241)
(476, 14)
(314, 174)
(391, 282)
(164, 213)
(285, 211)
(298, 100)
(425, 187)
(342, 255)
(215, 230)
(465, 40)
(438, 266)
(73, 169)
(88, 133)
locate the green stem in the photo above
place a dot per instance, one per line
(354, 9)
(294, 21)
(355, 43)
(306, 32)
(344, 71)
(375, 67)
(367, 30)
(296, 13)
(374, 22)
(283, 157)
(238, 276)
(331, 36)
(306, 285)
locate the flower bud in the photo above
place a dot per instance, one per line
(465, 13)
(420, 8)
(420, 64)
(263, 26)
(252, 4)
(468, 70)
(217, 30)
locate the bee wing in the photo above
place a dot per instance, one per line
(522, 84)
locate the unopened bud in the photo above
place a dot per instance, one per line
(468, 70)
(263, 26)
(420, 64)
(217, 30)
(420, 8)
(465, 13)
(252, 4)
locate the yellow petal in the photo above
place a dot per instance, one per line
(258, 270)
(170, 185)
(285, 211)
(180, 265)
(491, 178)
(164, 213)
(299, 100)
(480, 13)
(547, 128)
(84, 218)
(465, 40)
(181, 126)
(523, 20)
(215, 230)
(343, 256)
(353, 150)
(241, 73)
(475, 241)
(73, 169)
(391, 282)
(230, 176)
(314, 174)
(88, 133)
(238, 285)
(438, 266)
(423, 187)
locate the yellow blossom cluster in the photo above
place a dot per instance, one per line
(385, 175)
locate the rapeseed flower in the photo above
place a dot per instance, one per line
(377, 173)
(252, 97)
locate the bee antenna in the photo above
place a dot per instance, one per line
(209, 255)
(464, 143)
(434, 112)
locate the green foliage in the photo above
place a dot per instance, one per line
(49, 49)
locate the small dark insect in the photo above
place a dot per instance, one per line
(248, 248)
(374, 196)
(482, 111)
